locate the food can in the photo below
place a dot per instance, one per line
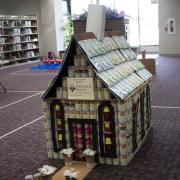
(100, 94)
(71, 71)
(78, 51)
(83, 61)
(124, 160)
(101, 160)
(77, 61)
(84, 73)
(109, 161)
(79, 114)
(92, 106)
(107, 94)
(78, 106)
(65, 93)
(86, 114)
(99, 83)
(92, 115)
(64, 82)
(50, 154)
(116, 161)
(91, 72)
(56, 155)
(72, 114)
(85, 106)
(59, 92)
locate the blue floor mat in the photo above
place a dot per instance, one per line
(46, 67)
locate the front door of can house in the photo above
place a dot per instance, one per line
(83, 135)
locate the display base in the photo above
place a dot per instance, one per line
(78, 166)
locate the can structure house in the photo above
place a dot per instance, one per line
(100, 99)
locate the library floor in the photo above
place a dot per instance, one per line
(22, 136)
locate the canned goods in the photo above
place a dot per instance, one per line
(59, 92)
(84, 73)
(78, 106)
(85, 106)
(121, 107)
(91, 72)
(124, 160)
(116, 161)
(95, 93)
(92, 106)
(72, 114)
(123, 139)
(92, 115)
(77, 73)
(79, 114)
(49, 144)
(56, 155)
(48, 135)
(83, 62)
(86, 114)
(107, 94)
(109, 161)
(99, 83)
(78, 51)
(123, 149)
(70, 71)
(47, 125)
(100, 94)
(45, 105)
(101, 160)
(50, 154)
(64, 82)
(77, 61)
(65, 93)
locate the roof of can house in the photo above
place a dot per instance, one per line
(112, 60)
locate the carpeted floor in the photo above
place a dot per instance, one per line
(23, 150)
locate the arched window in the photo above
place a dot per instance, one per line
(107, 139)
(57, 125)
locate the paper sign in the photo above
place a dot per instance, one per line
(80, 88)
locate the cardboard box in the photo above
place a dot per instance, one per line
(150, 64)
(78, 166)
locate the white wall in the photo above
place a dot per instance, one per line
(169, 44)
(23, 7)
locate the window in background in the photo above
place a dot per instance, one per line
(142, 14)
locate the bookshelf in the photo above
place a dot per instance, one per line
(18, 39)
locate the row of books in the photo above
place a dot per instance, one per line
(18, 47)
(17, 31)
(6, 23)
(17, 39)
(19, 55)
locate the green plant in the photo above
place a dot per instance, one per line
(68, 31)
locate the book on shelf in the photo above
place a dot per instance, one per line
(18, 37)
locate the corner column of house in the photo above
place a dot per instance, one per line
(52, 26)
